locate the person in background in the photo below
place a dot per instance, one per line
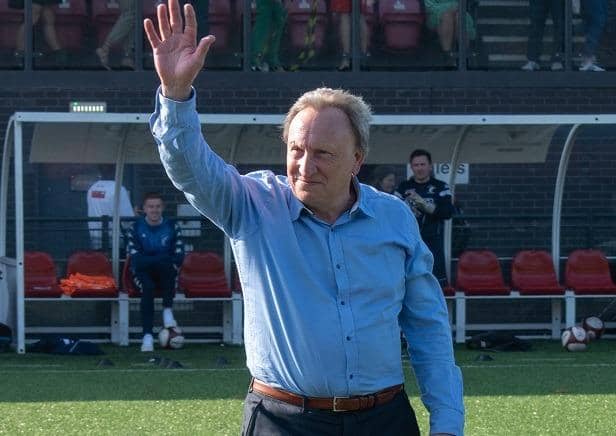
(266, 35)
(42, 10)
(343, 9)
(384, 179)
(330, 269)
(431, 202)
(101, 201)
(156, 253)
(538, 12)
(594, 14)
(442, 18)
(123, 30)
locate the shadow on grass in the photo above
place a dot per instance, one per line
(211, 372)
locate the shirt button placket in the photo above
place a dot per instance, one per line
(344, 308)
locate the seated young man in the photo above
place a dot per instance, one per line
(156, 252)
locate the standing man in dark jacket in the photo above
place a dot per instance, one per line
(431, 203)
(156, 253)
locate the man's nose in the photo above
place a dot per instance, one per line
(306, 165)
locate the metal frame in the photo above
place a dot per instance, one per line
(19, 118)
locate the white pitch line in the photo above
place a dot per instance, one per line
(31, 365)
(566, 365)
(496, 365)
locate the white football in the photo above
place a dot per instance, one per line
(594, 327)
(171, 337)
(574, 339)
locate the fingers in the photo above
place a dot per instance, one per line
(150, 31)
(176, 17)
(204, 45)
(163, 21)
(190, 26)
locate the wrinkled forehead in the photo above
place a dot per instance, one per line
(328, 125)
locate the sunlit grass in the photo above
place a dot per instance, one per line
(542, 392)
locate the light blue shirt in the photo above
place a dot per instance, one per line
(324, 303)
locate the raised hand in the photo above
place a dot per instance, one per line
(177, 56)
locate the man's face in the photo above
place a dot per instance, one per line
(421, 168)
(321, 158)
(153, 209)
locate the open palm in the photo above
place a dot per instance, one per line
(177, 56)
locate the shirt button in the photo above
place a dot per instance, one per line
(342, 303)
(338, 265)
(348, 338)
(351, 376)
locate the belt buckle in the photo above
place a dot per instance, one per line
(336, 409)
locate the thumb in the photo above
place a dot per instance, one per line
(204, 45)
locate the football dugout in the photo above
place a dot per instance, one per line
(251, 139)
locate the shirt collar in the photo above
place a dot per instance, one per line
(361, 204)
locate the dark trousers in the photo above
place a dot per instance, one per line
(161, 276)
(435, 244)
(594, 13)
(267, 32)
(539, 10)
(265, 416)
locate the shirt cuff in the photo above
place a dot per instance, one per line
(176, 113)
(448, 421)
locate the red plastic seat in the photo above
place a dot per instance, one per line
(532, 273)
(11, 19)
(91, 263)
(220, 22)
(448, 291)
(299, 14)
(40, 276)
(71, 23)
(479, 273)
(203, 275)
(104, 15)
(588, 272)
(402, 22)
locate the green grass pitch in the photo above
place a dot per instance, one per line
(546, 391)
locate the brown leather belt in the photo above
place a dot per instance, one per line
(335, 404)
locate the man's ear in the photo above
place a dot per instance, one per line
(359, 161)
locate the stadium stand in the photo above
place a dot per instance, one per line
(402, 23)
(11, 20)
(104, 16)
(149, 11)
(41, 280)
(299, 21)
(220, 20)
(71, 22)
(203, 275)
